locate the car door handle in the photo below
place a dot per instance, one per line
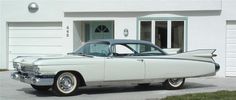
(140, 60)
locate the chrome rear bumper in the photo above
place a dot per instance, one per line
(32, 79)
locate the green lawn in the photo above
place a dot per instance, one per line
(219, 95)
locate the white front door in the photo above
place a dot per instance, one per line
(101, 30)
(124, 69)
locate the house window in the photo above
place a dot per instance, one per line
(161, 33)
(101, 29)
(165, 33)
(146, 29)
(177, 34)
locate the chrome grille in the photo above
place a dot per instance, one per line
(15, 65)
(27, 69)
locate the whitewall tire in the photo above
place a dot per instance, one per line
(65, 84)
(174, 83)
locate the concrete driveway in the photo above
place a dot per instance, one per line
(14, 90)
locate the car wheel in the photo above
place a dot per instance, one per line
(174, 83)
(65, 84)
(41, 88)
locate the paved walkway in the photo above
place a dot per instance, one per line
(13, 90)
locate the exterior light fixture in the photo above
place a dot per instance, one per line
(126, 32)
(33, 7)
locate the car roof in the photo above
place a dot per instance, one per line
(125, 41)
(121, 41)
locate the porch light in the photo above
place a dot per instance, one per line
(33, 7)
(126, 32)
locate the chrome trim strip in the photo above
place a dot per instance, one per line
(119, 82)
(148, 57)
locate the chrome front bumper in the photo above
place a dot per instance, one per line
(32, 79)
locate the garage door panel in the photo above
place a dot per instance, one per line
(35, 28)
(230, 61)
(36, 49)
(35, 25)
(14, 55)
(230, 73)
(36, 33)
(231, 47)
(36, 41)
(231, 25)
(231, 34)
(231, 68)
(231, 55)
(231, 41)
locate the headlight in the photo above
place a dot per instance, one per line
(36, 70)
(16, 66)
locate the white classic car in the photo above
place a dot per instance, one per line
(103, 62)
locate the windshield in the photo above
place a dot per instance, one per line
(94, 49)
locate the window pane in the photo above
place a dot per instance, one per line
(121, 49)
(146, 30)
(145, 50)
(95, 49)
(161, 34)
(177, 34)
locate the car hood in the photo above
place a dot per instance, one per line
(33, 60)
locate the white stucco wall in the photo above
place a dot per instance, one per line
(125, 23)
(208, 33)
(140, 5)
(228, 7)
(205, 28)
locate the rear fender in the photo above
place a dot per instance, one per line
(201, 54)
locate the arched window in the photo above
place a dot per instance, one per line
(101, 29)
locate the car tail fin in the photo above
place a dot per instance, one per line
(206, 53)
(201, 54)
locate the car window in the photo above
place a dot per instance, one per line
(145, 50)
(95, 49)
(121, 50)
(135, 49)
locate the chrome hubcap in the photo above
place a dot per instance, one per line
(176, 82)
(66, 82)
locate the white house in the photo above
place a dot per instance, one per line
(41, 27)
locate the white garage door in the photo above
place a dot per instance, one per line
(231, 49)
(34, 39)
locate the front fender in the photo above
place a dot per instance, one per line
(90, 73)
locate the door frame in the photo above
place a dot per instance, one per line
(82, 35)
